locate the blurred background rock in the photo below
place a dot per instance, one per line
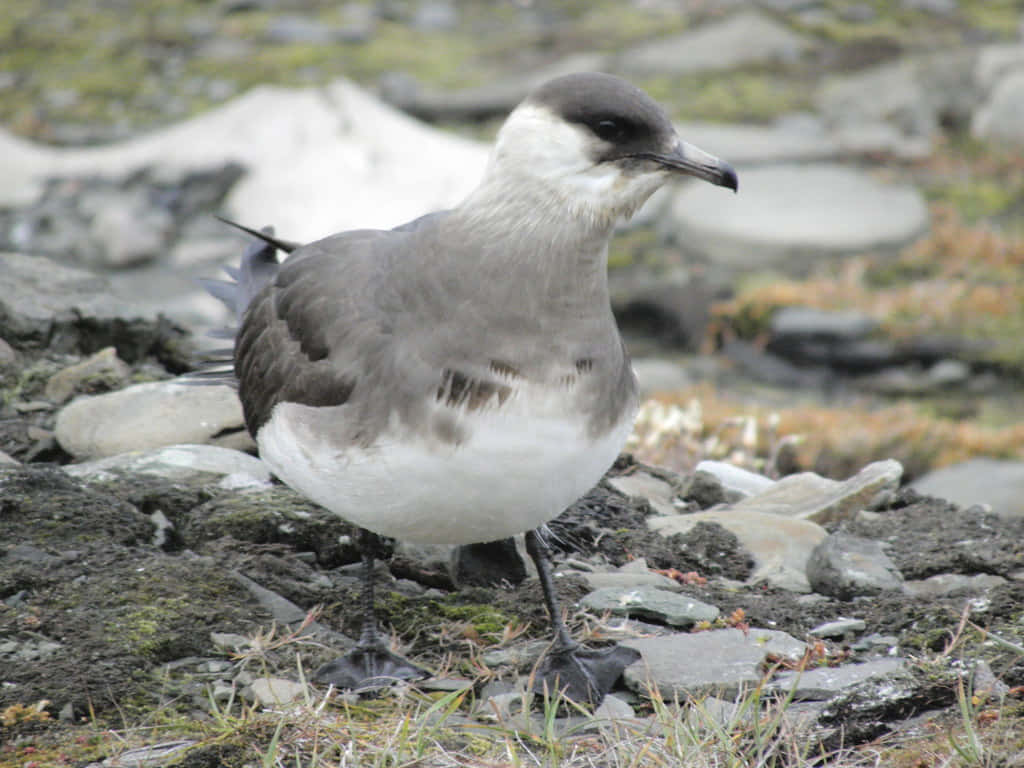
(860, 298)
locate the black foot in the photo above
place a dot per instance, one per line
(372, 667)
(584, 675)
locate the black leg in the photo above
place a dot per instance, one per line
(584, 675)
(539, 551)
(369, 635)
(370, 664)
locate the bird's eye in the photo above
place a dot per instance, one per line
(610, 130)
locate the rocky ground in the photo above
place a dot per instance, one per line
(157, 587)
(148, 595)
(163, 586)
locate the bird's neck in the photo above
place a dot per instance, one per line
(529, 231)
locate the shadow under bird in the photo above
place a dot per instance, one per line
(461, 378)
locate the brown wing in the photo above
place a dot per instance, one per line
(289, 348)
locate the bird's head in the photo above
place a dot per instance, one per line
(598, 145)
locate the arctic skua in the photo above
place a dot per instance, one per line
(460, 378)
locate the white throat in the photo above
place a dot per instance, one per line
(538, 151)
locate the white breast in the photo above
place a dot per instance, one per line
(519, 467)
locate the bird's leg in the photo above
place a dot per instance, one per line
(582, 674)
(539, 551)
(370, 664)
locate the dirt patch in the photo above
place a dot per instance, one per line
(90, 609)
(926, 536)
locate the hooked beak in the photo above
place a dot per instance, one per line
(691, 161)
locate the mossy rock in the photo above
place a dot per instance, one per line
(42, 506)
(275, 516)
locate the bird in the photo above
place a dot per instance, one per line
(461, 378)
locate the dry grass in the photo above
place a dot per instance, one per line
(960, 280)
(680, 429)
(409, 728)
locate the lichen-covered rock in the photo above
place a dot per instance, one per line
(273, 515)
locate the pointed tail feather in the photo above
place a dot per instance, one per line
(257, 269)
(266, 235)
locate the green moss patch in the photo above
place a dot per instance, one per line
(482, 622)
(736, 96)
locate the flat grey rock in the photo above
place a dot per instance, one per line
(875, 138)
(43, 305)
(840, 628)
(651, 603)
(996, 482)
(230, 641)
(151, 415)
(150, 756)
(994, 62)
(949, 373)
(612, 711)
(659, 493)
(521, 656)
(730, 660)
(823, 683)
(286, 612)
(1000, 117)
(276, 691)
(735, 479)
(636, 566)
(32, 555)
(808, 496)
(876, 642)
(885, 108)
(951, 584)
(792, 216)
(175, 462)
(794, 138)
(846, 566)
(619, 580)
(30, 651)
(819, 323)
(742, 38)
(780, 546)
(911, 380)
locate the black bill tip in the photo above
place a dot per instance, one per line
(728, 178)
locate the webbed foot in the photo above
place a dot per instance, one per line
(583, 675)
(368, 667)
